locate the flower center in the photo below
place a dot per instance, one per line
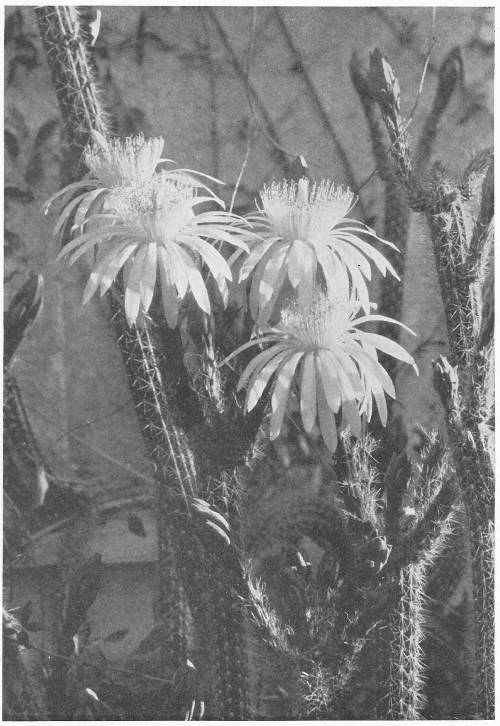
(322, 325)
(299, 210)
(124, 161)
(157, 210)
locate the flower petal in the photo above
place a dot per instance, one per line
(66, 213)
(133, 288)
(260, 378)
(279, 397)
(337, 282)
(381, 262)
(259, 362)
(326, 418)
(148, 276)
(67, 192)
(308, 393)
(214, 260)
(351, 418)
(271, 284)
(271, 338)
(327, 373)
(196, 282)
(169, 297)
(106, 270)
(295, 262)
(88, 239)
(256, 253)
(387, 346)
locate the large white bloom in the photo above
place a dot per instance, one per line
(151, 230)
(333, 362)
(305, 229)
(113, 163)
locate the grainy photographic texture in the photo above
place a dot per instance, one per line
(248, 363)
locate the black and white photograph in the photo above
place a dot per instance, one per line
(248, 353)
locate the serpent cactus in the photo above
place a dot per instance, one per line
(462, 242)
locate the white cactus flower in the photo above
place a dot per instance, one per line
(152, 231)
(333, 363)
(113, 163)
(307, 239)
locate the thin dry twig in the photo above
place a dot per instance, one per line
(268, 130)
(319, 104)
(212, 81)
(250, 128)
(243, 166)
(136, 674)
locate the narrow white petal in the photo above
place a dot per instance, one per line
(347, 251)
(295, 262)
(270, 276)
(279, 397)
(106, 269)
(148, 277)
(196, 282)
(168, 295)
(66, 192)
(327, 373)
(351, 417)
(379, 396)
(88, 239)
(259, 362)
(133, 289)
(111, 272)
(326, 418)
(66, 213)
(214, 260)
(388, 346)
(259, 380)
(382, 263)
(308, 393)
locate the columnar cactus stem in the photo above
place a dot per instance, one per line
(407, 667)
(461, 259)
(153, 359)
(82, 111)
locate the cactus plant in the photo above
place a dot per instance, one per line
(350, 632)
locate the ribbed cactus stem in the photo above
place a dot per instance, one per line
(72, 72)
(153, 366)
(461, 260)
(463, 388)
(65, 36)
(396, 212)
(406, 699)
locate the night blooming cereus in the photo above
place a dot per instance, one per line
(332, 361)
(147, 227)
(307, 239)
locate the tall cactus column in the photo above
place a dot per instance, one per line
(462, 250)
(463, 261)
(153, 359)
(71, 68)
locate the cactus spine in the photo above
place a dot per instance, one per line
(462, 254)
(154, 387)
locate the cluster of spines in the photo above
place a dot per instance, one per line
(460, 248)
